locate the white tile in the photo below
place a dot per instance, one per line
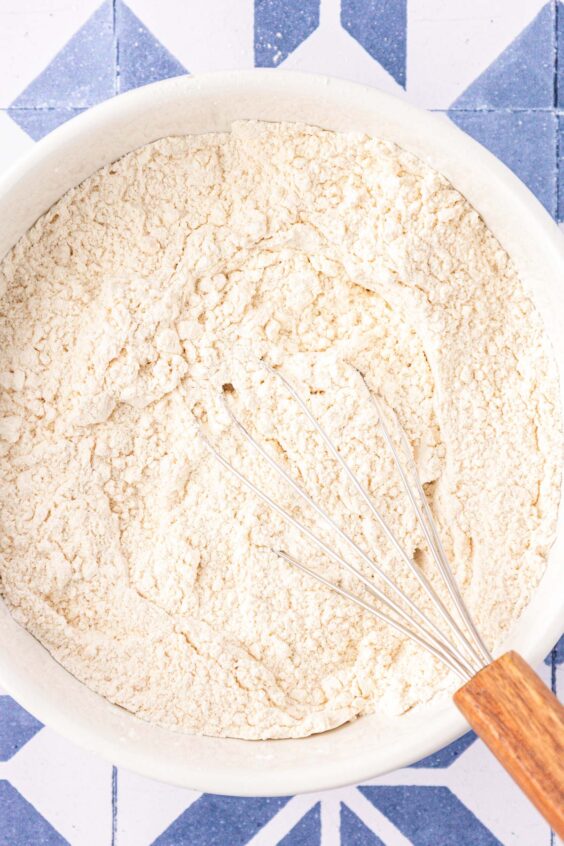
(450, 43)
(283, 822)
(204, 36)
(31, 33)
(146, 808)
(330, 821)
(482, 784)
(72, 789)
(375, 820)
(13, 141)
(331, 50)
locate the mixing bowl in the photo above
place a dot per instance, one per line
(370, 746)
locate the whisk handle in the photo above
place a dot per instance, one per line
(522, 723)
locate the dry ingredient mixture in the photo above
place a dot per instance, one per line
(131, 554)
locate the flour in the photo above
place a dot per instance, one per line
(131, 554)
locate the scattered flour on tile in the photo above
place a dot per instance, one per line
(131, 554)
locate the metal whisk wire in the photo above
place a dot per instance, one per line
(478, 651)
(427, 524)
(464, 662)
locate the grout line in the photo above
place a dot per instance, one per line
(553, 654)
(559, 194)
(116, 47)
(559, 213)
(556, 40)
(114, 805)
(46, 108)
(493, 110)
(558, 111)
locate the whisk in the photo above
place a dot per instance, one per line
(504, 701)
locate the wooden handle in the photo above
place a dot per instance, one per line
(521, 721)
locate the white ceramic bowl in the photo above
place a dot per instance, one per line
(365, 748)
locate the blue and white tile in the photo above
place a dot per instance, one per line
(146, 808)
(332, 49)
(522, 76)
(82, 73)
(37, 122)
(14, 141)
(140, 57)
(68, 787)
(471, 792)
(32, 32)
(203, 36)
(217, 819)
(306, 831)
(380, 26)
(524, 140)
(354, 832)
(22, 823)
(280, 28)
(489, 65)
(450, 44)
(560, 54)
(560, 148)
(479, 793)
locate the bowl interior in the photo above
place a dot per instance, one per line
(369, 746)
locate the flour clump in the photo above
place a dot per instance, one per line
(131, 554)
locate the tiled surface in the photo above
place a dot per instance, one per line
(522, 76)
(524, 140)
(496, 68)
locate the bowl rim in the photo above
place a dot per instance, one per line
(449, 724)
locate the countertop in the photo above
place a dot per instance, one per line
(495, 68)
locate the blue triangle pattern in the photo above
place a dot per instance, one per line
(82, 73)
(380, 26)
(216, 820)
(428, 816)
(560, 55)
(21, 823)
(354, 832)
(141, 57)
(556, 654)
(447, 756)
(559, 649)
(280, 27)
(307, 832)
(522, 77)
(40, 122)
(16, 727)
(524, 141)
